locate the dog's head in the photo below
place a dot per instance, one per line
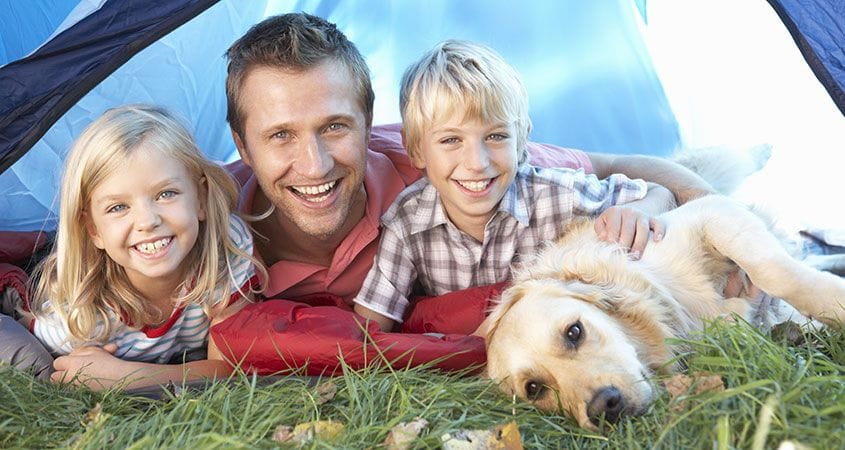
(578, 348)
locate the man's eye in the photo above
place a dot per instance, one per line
(336, 127)
(280, 135)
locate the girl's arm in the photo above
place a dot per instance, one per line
(98, 368)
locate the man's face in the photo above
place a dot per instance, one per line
(305, 137)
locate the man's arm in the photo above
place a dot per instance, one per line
(684, 184)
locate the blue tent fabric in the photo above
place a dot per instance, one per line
(818, 29)
(41, 87)
(586, 65)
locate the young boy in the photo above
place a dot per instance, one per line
(480, 206)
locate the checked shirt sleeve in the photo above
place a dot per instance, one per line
(391, 278)
(593, 196)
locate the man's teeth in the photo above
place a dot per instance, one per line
(153, 247)
(314, 190)
(475, 186)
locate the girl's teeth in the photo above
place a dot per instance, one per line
(153, 247)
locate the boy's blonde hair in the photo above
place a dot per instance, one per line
(463, 76)
(78, 281)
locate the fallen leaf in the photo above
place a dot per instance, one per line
(283, 433)
(325, 392)
(303, 433)
(403, 434)
(500, 437)
(680, 385)
(93, 416)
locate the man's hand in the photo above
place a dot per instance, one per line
(92, 366)
(629, 227)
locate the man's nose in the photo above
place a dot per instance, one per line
(315, 159)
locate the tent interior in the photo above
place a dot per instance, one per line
(619, 76)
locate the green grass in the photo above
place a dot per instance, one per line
(774, 392)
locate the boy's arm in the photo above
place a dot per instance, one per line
(631, 224)
(389, 281)
(385, 323)
(684, 184)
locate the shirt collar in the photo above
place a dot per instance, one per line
(430, 212)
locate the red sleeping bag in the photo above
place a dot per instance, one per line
(284, 335)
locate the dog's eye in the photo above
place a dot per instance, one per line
(574, 333)
(534, 389)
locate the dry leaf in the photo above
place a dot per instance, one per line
(500, 437)
(403, 434)
(283, 433)
(94, 415)
(325, 392)
(679, 385)
(303, 433)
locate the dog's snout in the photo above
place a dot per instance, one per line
(607, 402)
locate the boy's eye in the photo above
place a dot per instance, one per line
(116, 208)
(497, 137)
(450, 140)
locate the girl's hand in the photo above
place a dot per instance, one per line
(629, 227)
(92, 366)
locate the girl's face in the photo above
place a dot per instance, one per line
(146, 216)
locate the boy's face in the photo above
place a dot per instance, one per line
(471, 164)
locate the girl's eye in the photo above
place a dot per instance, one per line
(167, 194)
(116, 209)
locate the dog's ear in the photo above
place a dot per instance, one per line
(503, 304)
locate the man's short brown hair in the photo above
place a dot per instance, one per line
(297, 42)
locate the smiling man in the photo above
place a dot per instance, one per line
(300, 107)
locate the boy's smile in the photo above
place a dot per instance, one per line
(471, 163)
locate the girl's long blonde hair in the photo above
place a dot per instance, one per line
(78, 281)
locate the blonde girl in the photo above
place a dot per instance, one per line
(148, 255)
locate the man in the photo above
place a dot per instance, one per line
(300, 107)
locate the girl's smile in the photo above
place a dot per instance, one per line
(145, 214)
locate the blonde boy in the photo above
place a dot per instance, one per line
(481, 206)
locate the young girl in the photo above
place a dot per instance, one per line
(147, 255)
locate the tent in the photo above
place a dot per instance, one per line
(619, 76)
(622, 76)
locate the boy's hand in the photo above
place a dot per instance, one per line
(629, 227)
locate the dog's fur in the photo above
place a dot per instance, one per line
(583, 328)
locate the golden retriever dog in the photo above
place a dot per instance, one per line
(583, 328)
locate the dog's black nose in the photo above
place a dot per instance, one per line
(607, 402)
